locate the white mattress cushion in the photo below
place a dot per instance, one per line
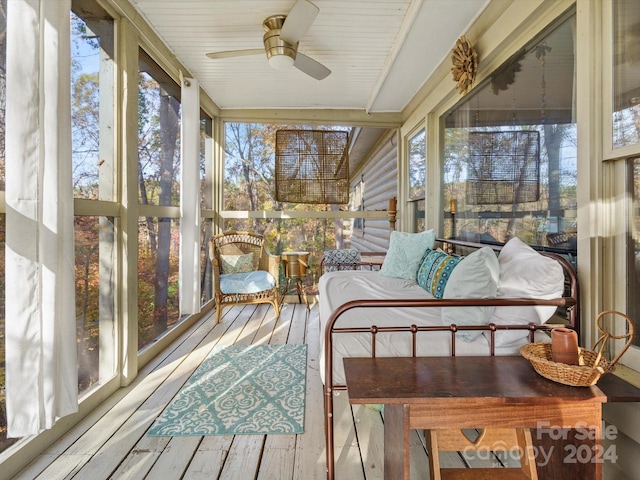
(337, 288)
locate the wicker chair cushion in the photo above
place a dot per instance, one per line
(246, 283)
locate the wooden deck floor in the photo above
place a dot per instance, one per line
(112, 442)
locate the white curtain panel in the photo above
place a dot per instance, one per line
(189, 273)
(41, 363)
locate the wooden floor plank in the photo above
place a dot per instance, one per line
(310, 453)
(259, 329)
(419, 458)
(242, 461)
(208, 459)
(62, 467)
(279, 328)
(297, 330)
(142, 458)
(175, 458)
(370, 430)
(111, 442)
(347, 452)
(278, 456)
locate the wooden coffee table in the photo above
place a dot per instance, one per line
(473, 392)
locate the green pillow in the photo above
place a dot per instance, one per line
(405, 252)
(237, 263)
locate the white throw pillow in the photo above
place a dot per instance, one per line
(475, 276)
(405, 252)
(524, 273)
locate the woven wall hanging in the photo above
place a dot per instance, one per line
(464, 59)
(504, 167)
(312, 166)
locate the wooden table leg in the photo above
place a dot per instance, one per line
(396, 442)
(570, 454)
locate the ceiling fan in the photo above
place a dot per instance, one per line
(281, 41)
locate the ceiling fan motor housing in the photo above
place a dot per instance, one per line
(281, 55)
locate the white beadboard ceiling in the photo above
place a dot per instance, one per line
(380, 52)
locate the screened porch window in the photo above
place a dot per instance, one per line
(633, 245)
(92, 73)
(417, 179)
(159, 111)
(510, 151)
(626, 72)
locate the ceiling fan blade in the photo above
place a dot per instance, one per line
(298, 21)
(235, 53)
(311, 67)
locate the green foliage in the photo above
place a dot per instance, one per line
(417, 164)
(147, 292)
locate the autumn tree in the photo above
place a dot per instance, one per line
(158, 163)
(169, 123)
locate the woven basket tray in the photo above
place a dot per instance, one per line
(592, 364)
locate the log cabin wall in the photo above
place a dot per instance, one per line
(380, 183)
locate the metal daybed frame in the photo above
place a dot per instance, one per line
(569, 301)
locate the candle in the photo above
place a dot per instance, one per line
(392, 204)
(453, 206)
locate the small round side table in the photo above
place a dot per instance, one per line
(295, 267)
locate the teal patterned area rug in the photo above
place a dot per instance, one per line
(241, 389)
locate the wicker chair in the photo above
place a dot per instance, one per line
(244, 271)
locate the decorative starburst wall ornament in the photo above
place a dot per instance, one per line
(465, 65)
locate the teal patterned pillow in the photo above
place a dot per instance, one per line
(435, 270)
(237, 263)
(405, 252)
(343, 259)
